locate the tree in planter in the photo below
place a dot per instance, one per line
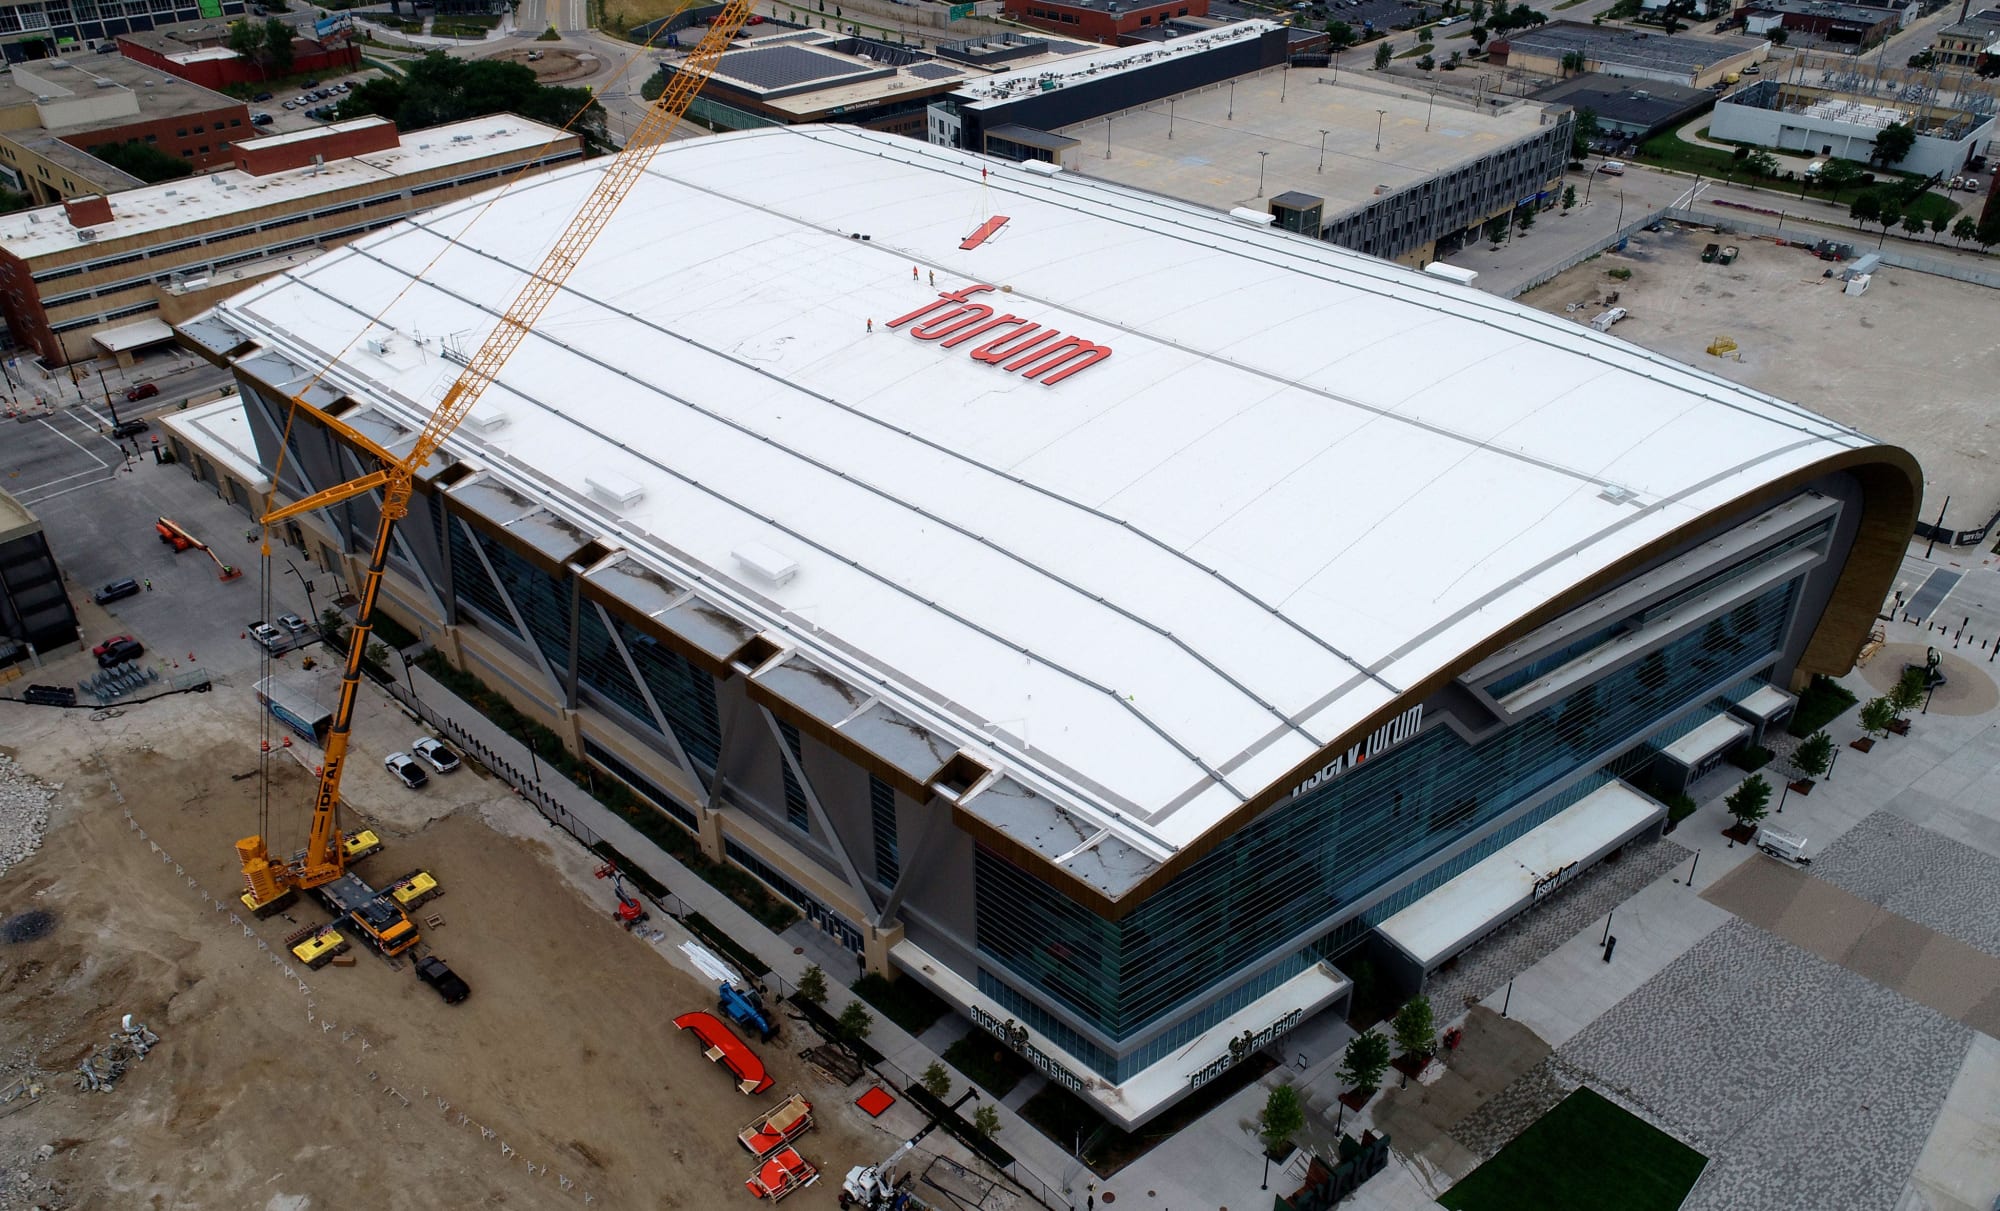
(1814, 756)
(1750, 801)
(812, 986)
(1383, 54)
(1416, 1032)
(1876, 716)
(1908, 693)
(1525, 218)
(936, 1081)
(1496, 230)
(1282, 1117)
(1569, 198)
(1362, 1064)
(986, 1121)
(855, 1022)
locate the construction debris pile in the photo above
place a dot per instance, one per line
(100, 1071)
(24, 813)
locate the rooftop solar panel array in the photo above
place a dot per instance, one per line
(782, 67)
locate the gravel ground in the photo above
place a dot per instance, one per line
(24, 813)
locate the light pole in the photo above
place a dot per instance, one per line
(1588, 182)
(1322, 150)
(1284, 81)
(1621, 213)
(1429, 108)
(308, 586)
(1232, 101)
(1170, 117)
(1262, 156)
(1379, 115)
(1107, 138)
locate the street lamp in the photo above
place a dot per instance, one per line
(1322, 150)
(1588, 182)
(1232, 100)
(1379, 115)
(1620, 225)
(1430, 107)
(1170, 117)
(1107, 138)
(308, 586)
(1262, 156)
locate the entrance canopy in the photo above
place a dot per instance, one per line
(127, 337)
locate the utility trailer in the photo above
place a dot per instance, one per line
(315, 945)
(785, 1172)
(770, 1132)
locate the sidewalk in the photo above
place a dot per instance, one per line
(1044, 1168)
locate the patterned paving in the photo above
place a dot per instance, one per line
(1807, 1085)
(1916, 873)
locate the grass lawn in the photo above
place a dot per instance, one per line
(1584, 1155)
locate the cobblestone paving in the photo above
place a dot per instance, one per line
(1916, 873)
(1806, 1084)
(1528, 938)
(1514, 1109)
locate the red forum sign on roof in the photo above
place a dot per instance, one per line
(1012, 342)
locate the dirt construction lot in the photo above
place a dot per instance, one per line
(1912, 361)
(561, 1077)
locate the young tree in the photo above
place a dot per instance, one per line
(1965, 230)
(1761, 164)
(936, 1081)
(247, 40)
(1479, 36)
(1569, 197)
(1426, 63)
(1908, 693)
(1572, 61)
(1779, 36)
(1750, 801)
(1837, 175)
(1415, 1032)
(1339, 34)
(1525, 218)
(855, 1022)
(1867, 208)
(1496, 230)
(1583, 131)
(1893, 142)
(1477, 11)
(1939, 226)
(1814, 755)
(1876, 716)
(1892, 214)
(1364, 1061)
(1424, 35)
(1281, 1118)
(1455, 57)
(1383, 54)
(986, 1121)
(812, 985)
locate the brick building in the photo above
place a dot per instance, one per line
(202, 58)
(84, 277)
(1109, 21)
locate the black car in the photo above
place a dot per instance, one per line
(129, 428)
(433, 971)
(118, 651)
(117, 590)
(261, 97)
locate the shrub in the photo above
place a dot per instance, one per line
(856, 1022)
(986, 1121)
(1821, 703)
(936, 1081)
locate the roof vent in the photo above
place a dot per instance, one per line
(1040, 168)
(611, 488)
(1256, 218)
(1617, 494)
(772, 567)
(486, 420)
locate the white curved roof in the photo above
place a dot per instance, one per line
(1304, 480)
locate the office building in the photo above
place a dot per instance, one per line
(35, 612)
(1831, 122)
(1693, 60)
(96, 274)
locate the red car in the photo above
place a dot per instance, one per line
(142, 391)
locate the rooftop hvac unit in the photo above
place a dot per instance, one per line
(377, 346)
(1256, 218)
(765, 564)
(611, 488)
(486, 420)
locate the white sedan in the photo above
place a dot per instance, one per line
(435, 751)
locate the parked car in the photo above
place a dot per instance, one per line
(1612, 168)
(117, 590)
(435, 751)
(291, 104)
(107, 48)
(312, 84)
(142, 391)
(117, 650)
(129, 428)
(293, 623)
(261, 97)
(406, 770)
(269, 636)
(439, 975)
(260, 119)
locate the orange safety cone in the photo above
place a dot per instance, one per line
(286, 741)
(266, 744)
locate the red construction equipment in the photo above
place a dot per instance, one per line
(783, 1173)
(177, 537)
(629, 912)
(722, 1046)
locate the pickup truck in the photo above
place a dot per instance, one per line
(433, 971)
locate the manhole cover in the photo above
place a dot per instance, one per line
(27, 926)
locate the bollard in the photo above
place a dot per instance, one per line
(1610, 944)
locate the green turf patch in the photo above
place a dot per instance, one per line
(1584, 1155)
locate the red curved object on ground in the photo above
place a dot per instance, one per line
(723, 1047)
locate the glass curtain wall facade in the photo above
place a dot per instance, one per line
(1300, 864)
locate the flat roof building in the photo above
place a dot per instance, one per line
(72, 276)
(1830, 122)
(54, 111)
(1395, 172)
(1112, 22)
(35, 611)
(1111, 634)
(1690, 59)
(817, 76)
(1630, 111)
(1965, 43)
(202, 55)
(1829, 20)
(41, 30)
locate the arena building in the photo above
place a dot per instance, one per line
(1112, 613)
